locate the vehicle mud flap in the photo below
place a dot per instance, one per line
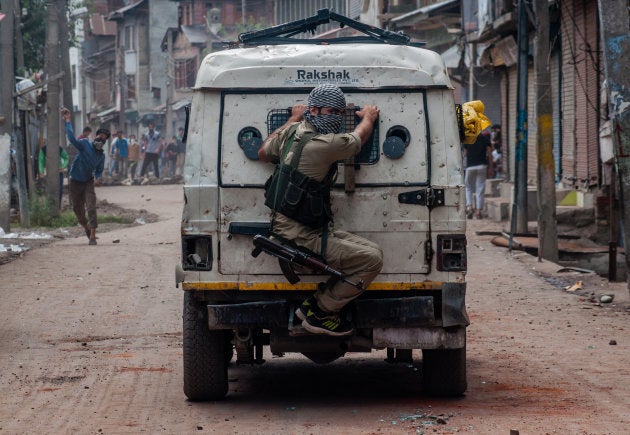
(454, 304)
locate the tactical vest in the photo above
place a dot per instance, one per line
(295, 195)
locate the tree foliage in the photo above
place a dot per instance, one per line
(34, 33)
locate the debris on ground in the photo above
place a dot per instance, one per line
(574, 287)
(12, 248)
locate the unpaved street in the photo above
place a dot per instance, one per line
(90, 342)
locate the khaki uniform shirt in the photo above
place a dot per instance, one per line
(317, 156)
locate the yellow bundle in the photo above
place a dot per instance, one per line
(474, 120)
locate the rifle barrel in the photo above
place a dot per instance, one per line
(299, 257)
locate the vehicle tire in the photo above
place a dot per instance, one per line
(205, 365)
(444, 372)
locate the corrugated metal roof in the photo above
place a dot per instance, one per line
(197, 34)
(119, 13)
(179, 104)
(101, 27)
(106, 112)
(425, 12)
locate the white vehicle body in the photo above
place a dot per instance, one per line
(404, 192)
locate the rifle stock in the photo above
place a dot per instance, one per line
(287, 256)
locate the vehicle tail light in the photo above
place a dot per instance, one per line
(197, 252)
(451, 252)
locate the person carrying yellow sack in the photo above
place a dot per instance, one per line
(476, 150)
(474, 120)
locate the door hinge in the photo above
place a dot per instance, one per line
(429, 197)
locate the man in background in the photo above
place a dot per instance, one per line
(134, 156)
(181, 151)
(121, 147)
(152, 144)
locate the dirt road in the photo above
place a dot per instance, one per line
(90, 342)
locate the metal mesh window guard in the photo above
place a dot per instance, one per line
(369, 152)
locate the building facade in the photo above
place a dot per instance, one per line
(141, 67)
(576, 69)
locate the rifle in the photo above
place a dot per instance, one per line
(288, 256)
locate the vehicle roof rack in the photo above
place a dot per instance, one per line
(283, 33)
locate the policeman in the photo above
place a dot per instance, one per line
(301, 209)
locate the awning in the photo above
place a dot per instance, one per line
(198, 34)
(132, 116)
(101, 27)
(180, 104)
(437, 25)
(453, 56)
(155, 117)
(106, 112)
(448, 7)
(107, 115)
(119, 13)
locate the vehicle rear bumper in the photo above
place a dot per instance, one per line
(445, 308)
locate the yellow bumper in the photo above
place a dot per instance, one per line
(285, 286)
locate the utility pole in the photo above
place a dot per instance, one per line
(65, 60)
(170, 79)
(51, 65)
(19, 41)
(7, 85)
(519, 207)
(21, 157)
(66, 79)
(122, 85)
(472, 46)
(615, 31)
(547, 227)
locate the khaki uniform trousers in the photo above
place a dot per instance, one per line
(358, 258)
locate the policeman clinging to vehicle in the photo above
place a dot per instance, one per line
(307, 148)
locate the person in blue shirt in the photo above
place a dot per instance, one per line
(86, 171)
(121, 147)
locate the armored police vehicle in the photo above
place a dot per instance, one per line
(404, 190)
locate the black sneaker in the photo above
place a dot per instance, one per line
(302, 310)
(320, 322)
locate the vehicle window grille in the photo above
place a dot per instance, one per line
(369, 152)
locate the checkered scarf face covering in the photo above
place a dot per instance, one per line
(326, 95)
